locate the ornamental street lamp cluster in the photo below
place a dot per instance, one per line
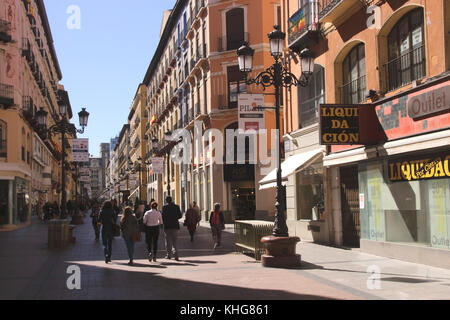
(277, 76)
(63, 127)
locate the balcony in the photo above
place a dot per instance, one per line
(354, 92)
(331, 11)
(27, 107)
(303, 27)
(406, 68)
(5, 31)
(6, 95)
(232, 41)
(26, 49)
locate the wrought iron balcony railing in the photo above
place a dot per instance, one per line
(232, 41)
(354, 92)
(406, 68)
(304, 26)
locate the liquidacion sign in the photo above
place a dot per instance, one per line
(431, 167)
(349, 125)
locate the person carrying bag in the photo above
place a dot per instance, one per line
(217, 223)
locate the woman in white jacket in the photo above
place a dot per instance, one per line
(153, 222)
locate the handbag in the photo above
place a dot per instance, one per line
(136, 237)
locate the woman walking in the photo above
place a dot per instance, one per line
(153, 222)
(107, 219)
(217, 222)
(129, 227)
(192, 218)
(95, 212)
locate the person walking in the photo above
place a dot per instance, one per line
(152, 221)
(217, 223)
(171, 213)
(95, 213)
(196, 208)
(192, 218)
(107, 219)
(129, 227)
(116, 208)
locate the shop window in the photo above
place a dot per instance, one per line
(311, 97)
(310, 195)
(395, 209)
(354, 76)
(406, 50)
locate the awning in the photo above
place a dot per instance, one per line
(291, 165)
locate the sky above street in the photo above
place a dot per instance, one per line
(104, 49)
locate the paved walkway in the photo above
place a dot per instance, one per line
(28, 270)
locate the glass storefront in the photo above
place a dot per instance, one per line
(4, 202)
(406, 201)
(310, 195)
(14, 201)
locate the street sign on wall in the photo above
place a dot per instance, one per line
(80, 150)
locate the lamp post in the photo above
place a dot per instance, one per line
(279, 77)
(63, 127)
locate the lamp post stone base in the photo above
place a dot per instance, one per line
(280, 252)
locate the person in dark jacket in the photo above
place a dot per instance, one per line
(95, 219)
(217, 223)
(107, 219)
(171, 213)
(129, 226)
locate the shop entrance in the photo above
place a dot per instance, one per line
(350, 206)
(243, 202)
(4, 207)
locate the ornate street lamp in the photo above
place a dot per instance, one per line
(279, 77)
(62, 126)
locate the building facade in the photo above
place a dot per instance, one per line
(389, 197)
(193, 83)
(29, 80)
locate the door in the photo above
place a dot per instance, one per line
(350, 206)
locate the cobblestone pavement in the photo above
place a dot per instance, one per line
(28, 270)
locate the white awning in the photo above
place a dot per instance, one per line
(291, 165)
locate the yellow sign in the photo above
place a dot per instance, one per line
(436, 166)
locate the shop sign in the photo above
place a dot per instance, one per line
(238, 172)
(431, 167)
(349, 125)
(158, 165)
(80, 150)
(429, 103)
(251, 112)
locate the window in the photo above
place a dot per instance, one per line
(311, 97)
(406, 50)
(354, 73)
(3, 145)
(236, 85)
(235, 28)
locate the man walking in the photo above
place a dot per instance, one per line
(171, 213)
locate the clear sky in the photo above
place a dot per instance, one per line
(106, 58)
